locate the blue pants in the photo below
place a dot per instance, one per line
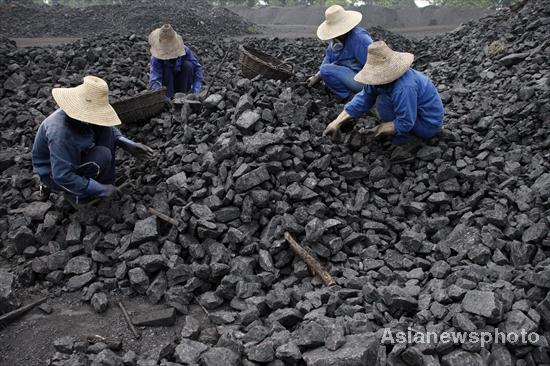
(339, 79)
(178, 81)
(98, 163)
(420, 129)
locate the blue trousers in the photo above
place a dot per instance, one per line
(98, 163)
(178, 81)
(339, 79)
(421, 129)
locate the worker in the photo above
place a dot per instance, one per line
(406, 100)
(346, 53)
(173, 64)
(74, 148)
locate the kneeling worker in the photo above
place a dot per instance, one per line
(406, 100)
(346, 53)
(173, 64)
(74, 148)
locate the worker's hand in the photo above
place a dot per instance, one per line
(108, 190)
(332, 129)
(96, 189)
(383, 129)
(140, 150)
(135, 148)
(314, 80)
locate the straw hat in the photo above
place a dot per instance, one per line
(383, 65)
(88, 102)
(337, 22)
(165, 43)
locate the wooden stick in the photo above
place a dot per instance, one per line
(123, 185)
(163, 217)
(14, 314)
(202, 307)
(128, 320)
(310, 260)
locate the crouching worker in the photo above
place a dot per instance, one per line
(173, 64)
(406, 100)
(346, 53)
(74, 148)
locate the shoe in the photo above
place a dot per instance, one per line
(45, 192)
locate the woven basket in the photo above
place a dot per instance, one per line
(254, 62)
(140, 107)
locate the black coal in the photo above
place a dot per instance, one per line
(190, 17)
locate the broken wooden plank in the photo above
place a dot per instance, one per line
(310, 260)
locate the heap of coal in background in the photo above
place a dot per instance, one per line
(190, 17)
(450, 236)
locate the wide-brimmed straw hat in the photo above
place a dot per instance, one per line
(165, 43)
(384, 65)
(88, 102)
(337, 22)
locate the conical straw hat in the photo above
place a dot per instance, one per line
(165, 43)
(88, 102)
(383, 65)
(337, 22)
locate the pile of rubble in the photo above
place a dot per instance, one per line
(190, 17)
(451, 236)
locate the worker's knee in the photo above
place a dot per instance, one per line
(187, 66)
(327, 70)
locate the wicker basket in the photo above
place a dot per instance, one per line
(140, 107)
(254, 62)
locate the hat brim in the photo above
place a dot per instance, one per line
(326, 31)
(167, 51)
(73, 102)
(385, 73)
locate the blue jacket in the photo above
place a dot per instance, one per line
(158, 67)
(58, 148)
(413, 97)
(354, 53)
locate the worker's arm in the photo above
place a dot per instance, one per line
(155, 73)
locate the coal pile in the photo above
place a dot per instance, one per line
(190, 17)
(450, 236)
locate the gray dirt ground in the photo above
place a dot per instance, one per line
(28, 341)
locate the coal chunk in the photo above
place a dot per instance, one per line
(156, 317)
(252, 179)
(482, 303)
(145, 230)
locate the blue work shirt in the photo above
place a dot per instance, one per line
(58, 148)
(413, 98)
(354, 53)
(159, 67)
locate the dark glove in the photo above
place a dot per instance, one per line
(135, 148)
(97, 189)
(196, 89)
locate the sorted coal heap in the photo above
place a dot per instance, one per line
(189, 17)
(450, 236)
